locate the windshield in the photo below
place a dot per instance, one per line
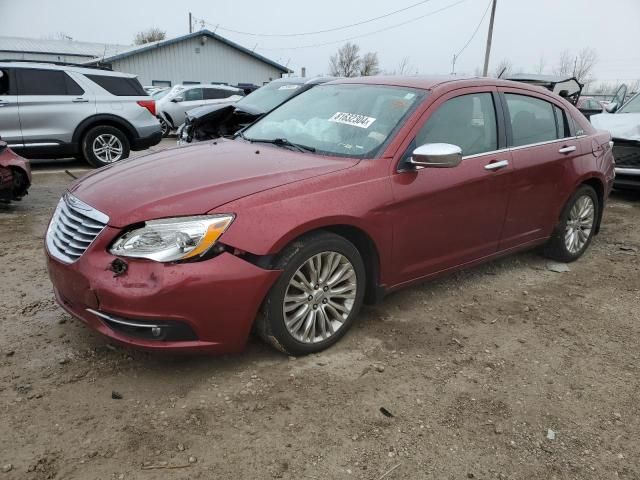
(632, 106)
(269, 97)
(345, 119)
(159, 94)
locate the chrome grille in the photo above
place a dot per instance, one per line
(74, 226)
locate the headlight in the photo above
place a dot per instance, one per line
(172, 239)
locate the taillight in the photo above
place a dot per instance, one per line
(149, 105)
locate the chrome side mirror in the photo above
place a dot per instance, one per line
(436, 155)
(612, 107)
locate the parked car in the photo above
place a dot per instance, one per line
(623, 122)
(562, 85)
(173, 107)
(213, 121)
(353, 189)
(15, 174)
(61, 110)
(589, 106)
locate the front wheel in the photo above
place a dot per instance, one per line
(317, 297)
(576, 228)
(165, 130)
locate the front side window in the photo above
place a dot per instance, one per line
(46, 82)
(468, 121)
(4, 82)
(532, 120)
(342, 119)
(192, 94)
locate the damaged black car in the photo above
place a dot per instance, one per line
(214, 121)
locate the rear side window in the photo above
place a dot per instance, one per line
(4, 82)
(46, 82)
(468, 121)
(119, 86)
(218, 93)
(532, 120)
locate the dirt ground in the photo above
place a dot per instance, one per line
(478, 370)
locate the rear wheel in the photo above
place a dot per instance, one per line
(104, 145)
(576, 228)
(317, 297)
(164, 128)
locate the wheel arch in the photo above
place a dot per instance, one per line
(598, 186)
(104, 119)
(364, 243)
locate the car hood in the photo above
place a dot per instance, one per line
(625, 126)
(195, 179)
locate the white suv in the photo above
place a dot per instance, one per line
(173, 107)
(60, 110)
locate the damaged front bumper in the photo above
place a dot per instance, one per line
(627, 155)
(206, 306)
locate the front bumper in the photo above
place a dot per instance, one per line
(215, 300)
(627, 155)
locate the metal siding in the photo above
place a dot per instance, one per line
(178, 62)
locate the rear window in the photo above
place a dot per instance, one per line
(46, 82)
(119, 86)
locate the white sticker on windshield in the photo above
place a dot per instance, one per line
(289, 87)
(353, 119)
(409, 96)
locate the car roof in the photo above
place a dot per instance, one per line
(65, 68)
(220, 86)
(430, 82)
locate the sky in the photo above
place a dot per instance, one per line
(527, 32)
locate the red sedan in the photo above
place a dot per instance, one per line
(353, 189)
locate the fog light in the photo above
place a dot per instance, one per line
(156, 331)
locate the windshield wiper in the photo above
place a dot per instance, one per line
(281, 142)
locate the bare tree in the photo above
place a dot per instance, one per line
(404, 67)
(541, 65)
(346, 63)
(583, 66)
(153, 34)
(565, 64)
(369, 64)
(503, 69)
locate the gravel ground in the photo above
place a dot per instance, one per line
(507, 371)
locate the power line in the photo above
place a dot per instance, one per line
(343, 27)
(457, 55)
(476, 30)
(370, 33)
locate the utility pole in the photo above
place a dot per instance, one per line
(487, 52)
(190, 24)
(453, 65)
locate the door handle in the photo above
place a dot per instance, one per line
(496, 165)
(567, 149)
(80, 100)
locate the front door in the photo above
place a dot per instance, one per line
(9, 118)
(445, 217)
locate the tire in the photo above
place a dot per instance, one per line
(326, 317)
(101, 136)
(563, 246)
(164, 128)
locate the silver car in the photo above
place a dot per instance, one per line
(173, 107)
(60, 110)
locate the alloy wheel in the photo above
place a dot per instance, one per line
(107, 148)
(579, 224)
(320, 296)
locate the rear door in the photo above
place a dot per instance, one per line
(9, 117)
(542, 148)
(445, 217)
(51, 106)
